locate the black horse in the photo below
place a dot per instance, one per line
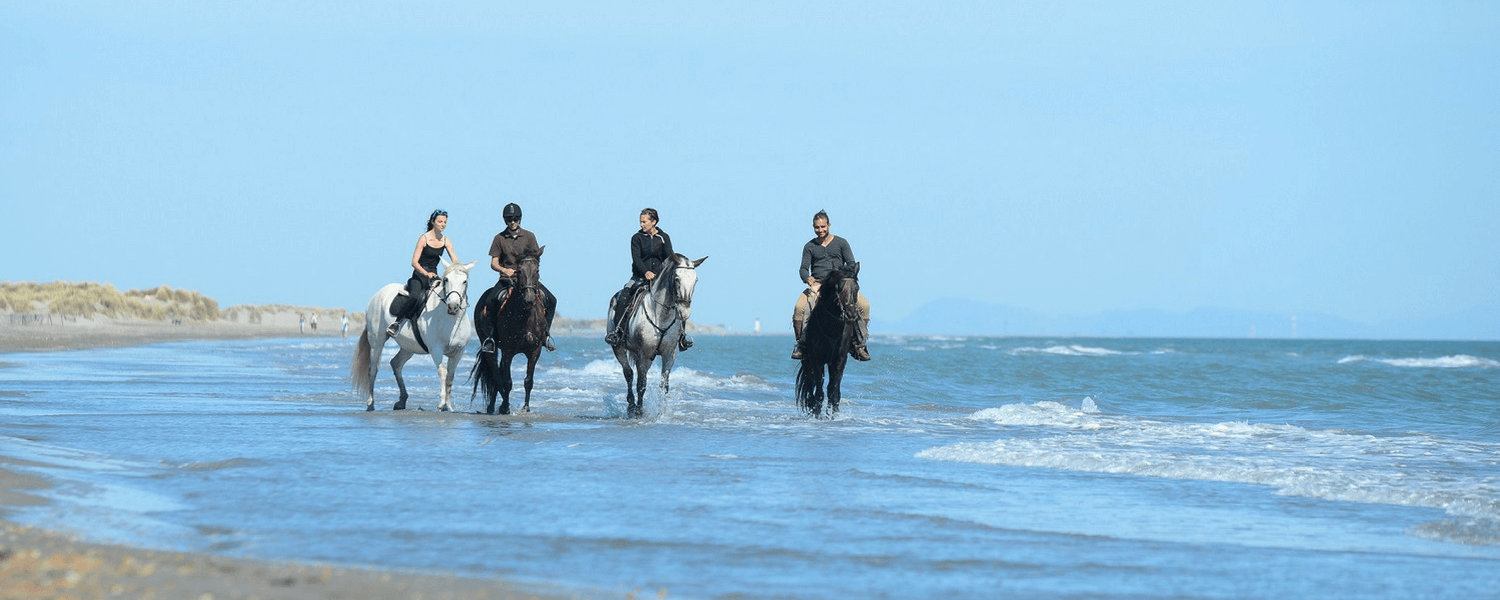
(826, 339)
(520, 324)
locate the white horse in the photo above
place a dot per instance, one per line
(654, 326)
(443, 332)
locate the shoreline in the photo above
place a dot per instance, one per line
(82, 334)
(38, 563)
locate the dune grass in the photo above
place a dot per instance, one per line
(87, 300)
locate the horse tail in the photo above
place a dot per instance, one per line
(359, 367)
(809, 386)
(485, 374)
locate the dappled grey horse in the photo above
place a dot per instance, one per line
(654, 325)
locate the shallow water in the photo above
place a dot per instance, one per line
(959, 467)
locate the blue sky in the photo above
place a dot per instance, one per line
(1066, 157)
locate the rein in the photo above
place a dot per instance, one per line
(671, 303)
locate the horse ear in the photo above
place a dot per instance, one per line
(470, 265)
(856, 269)
(699, 262)
(539, 251)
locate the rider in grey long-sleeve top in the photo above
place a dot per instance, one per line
(820, 256)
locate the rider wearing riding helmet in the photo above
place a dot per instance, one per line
(506, 251)
(820, 256)
(424, 263)
(650, 252)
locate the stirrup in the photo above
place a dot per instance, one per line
(487, 346)
(548, 343)
(684, 342)
(393, 329)
(613, 337)
(797, 351)
(860, 353)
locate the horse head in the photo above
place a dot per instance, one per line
(844, 282)
(455, 287)
(682, 276)
(529, 276)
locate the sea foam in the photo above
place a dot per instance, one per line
(1458, 361)
(1413, 470)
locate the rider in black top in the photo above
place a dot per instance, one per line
(424, 262)
(650, 250)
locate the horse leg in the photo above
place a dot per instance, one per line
(531, 359)
(667, 360)
(817, 406)
(835, 383)
(445, 375)
(505, 382)
(622, 355)
(642, 369)
(374, 368)
(397, 362)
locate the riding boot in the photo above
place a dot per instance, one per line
(797, 331)
(394, 327)
(486, 330)
(684, 342)
(861, 333)
(616, 336)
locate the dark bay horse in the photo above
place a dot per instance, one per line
(653, 327)
(826, 339)
(520, 325)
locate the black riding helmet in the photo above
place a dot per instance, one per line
(511, 212)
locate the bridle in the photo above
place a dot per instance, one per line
(447, 293)
(848, 307)
(673, 302)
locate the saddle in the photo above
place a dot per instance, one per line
(403, 303)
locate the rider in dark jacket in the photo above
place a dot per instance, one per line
(650, 251)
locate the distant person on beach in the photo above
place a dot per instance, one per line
(820, 256)
(650, 250)
(301, 323)
(424, 262)
(344, 325)
(506, 251)
(314, 322)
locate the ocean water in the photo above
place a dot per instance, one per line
(959, 468)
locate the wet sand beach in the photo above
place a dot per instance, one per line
(36, 563)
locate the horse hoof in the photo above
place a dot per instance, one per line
(445, 409)
(369, 407)
(401, 405)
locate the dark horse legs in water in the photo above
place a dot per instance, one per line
(517, 324)
(828, 335)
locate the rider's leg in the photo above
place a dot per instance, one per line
(799, 317)
(550, 303)
(484, 325)
(622, 303)
(861, 331)
(414, 288)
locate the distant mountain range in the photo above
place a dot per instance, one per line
(953, 316)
